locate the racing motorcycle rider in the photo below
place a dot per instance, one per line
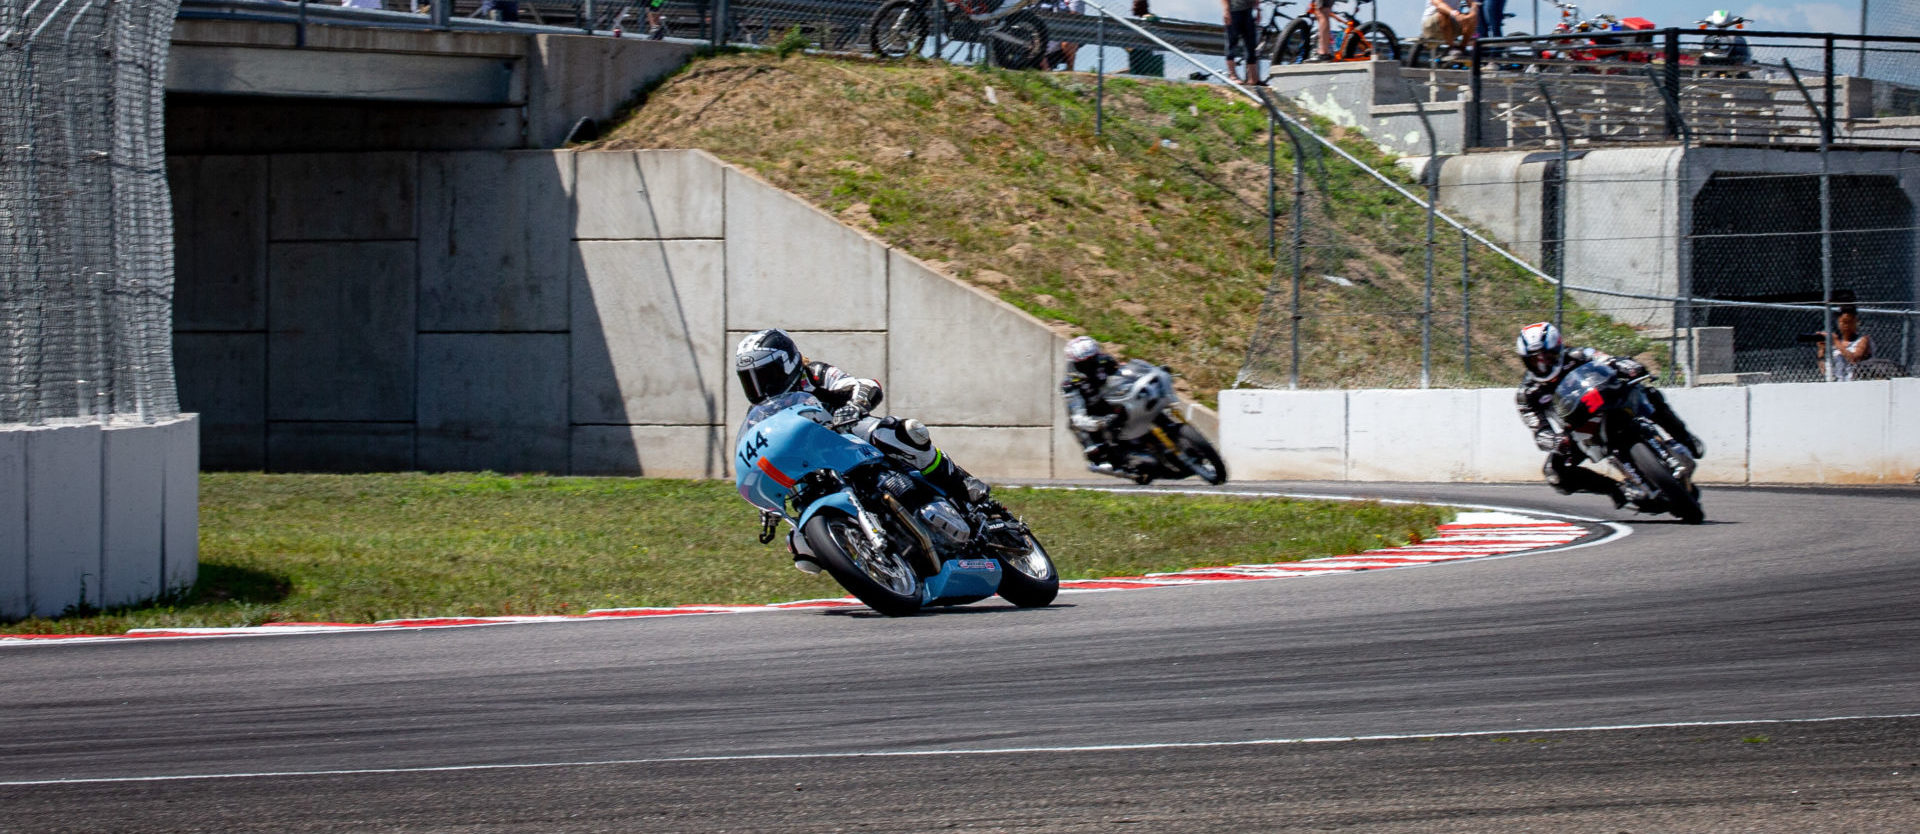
(1091, 418)
(769, 364)
(1547, 359)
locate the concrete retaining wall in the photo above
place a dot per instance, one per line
(97, 516)
(563, 312)
(1818, 433)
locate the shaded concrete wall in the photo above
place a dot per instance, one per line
(558, 311)
(96, 516)
(1757, 434)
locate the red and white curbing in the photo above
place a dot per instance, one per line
(1471, 535)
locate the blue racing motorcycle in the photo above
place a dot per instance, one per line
(886, 534)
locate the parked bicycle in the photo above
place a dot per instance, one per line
(1016, 38)
(1353, 39)
(1272, 27)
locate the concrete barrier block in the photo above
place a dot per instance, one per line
(1826, 432)
(180, 538)
(782, 252)
(220, 242)
(1391, 435)
(863, 354)
(938, 328)
(647, 195)
(343, 196)
(13, 521)
(648, 322)
(1903, 430)
(223, 377)
(1503, 449)
(63, 518)
(342, 342)
(1284, 435)
(493, 401)
(651, 451)
(1717, 416)
(494, 240)
(998, 453)
(340, 447)
(132, 512)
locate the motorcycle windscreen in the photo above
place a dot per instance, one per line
(1578, 397)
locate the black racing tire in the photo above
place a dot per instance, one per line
(899, 29)
(1295, 44)
(1019, 43)
(1029, 580)
(1385, 45)
(886, 582)
(1683, 502)
(1196, 450)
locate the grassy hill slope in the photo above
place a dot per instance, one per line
(1151, 235)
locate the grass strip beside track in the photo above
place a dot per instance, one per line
(362, 548)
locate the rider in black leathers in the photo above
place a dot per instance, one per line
(769, 364)
(1091, 418)
(1547, 360)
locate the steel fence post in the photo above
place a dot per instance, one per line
(1560, 211)
(1466, 309)
(1100, 79)
(1299, 246)
(1670, 81)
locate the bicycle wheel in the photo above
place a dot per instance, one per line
(1018, 43)
(1294, 45)
(899, 29)
(1375, 40)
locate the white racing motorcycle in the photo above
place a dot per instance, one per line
(1152, 438)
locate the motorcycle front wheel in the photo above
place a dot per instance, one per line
(1200, 456)
(1681, 501)
(1029, 579)
(884, 580)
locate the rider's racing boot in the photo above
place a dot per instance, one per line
(957, 482)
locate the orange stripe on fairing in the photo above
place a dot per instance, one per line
(777, 475)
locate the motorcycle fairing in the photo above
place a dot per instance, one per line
(782, 440)
(962, 581)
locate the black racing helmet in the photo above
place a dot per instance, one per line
(768, 364)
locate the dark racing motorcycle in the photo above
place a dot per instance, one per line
(1151, 438)
(882, 531)
(1609, 418)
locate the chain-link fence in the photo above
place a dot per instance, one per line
(86, 261)
(1707, 199)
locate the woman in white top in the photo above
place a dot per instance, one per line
(1850, 347)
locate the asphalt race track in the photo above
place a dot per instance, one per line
(1760, 672)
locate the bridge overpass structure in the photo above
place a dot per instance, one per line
(387, 260)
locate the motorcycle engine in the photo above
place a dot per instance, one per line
(944, 522)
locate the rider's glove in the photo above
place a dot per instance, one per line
(847, 415)
(1630, 368)
(1547, 441)
(1089, 423)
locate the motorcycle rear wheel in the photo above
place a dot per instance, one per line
(1681, 501)
(886, 582)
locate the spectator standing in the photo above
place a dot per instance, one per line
(1849, 347)
(1493, 18)
(1322, 11)
(1242, 34)
(1145, 60)
(1061, 54)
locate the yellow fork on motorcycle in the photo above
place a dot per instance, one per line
(1162, 435)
